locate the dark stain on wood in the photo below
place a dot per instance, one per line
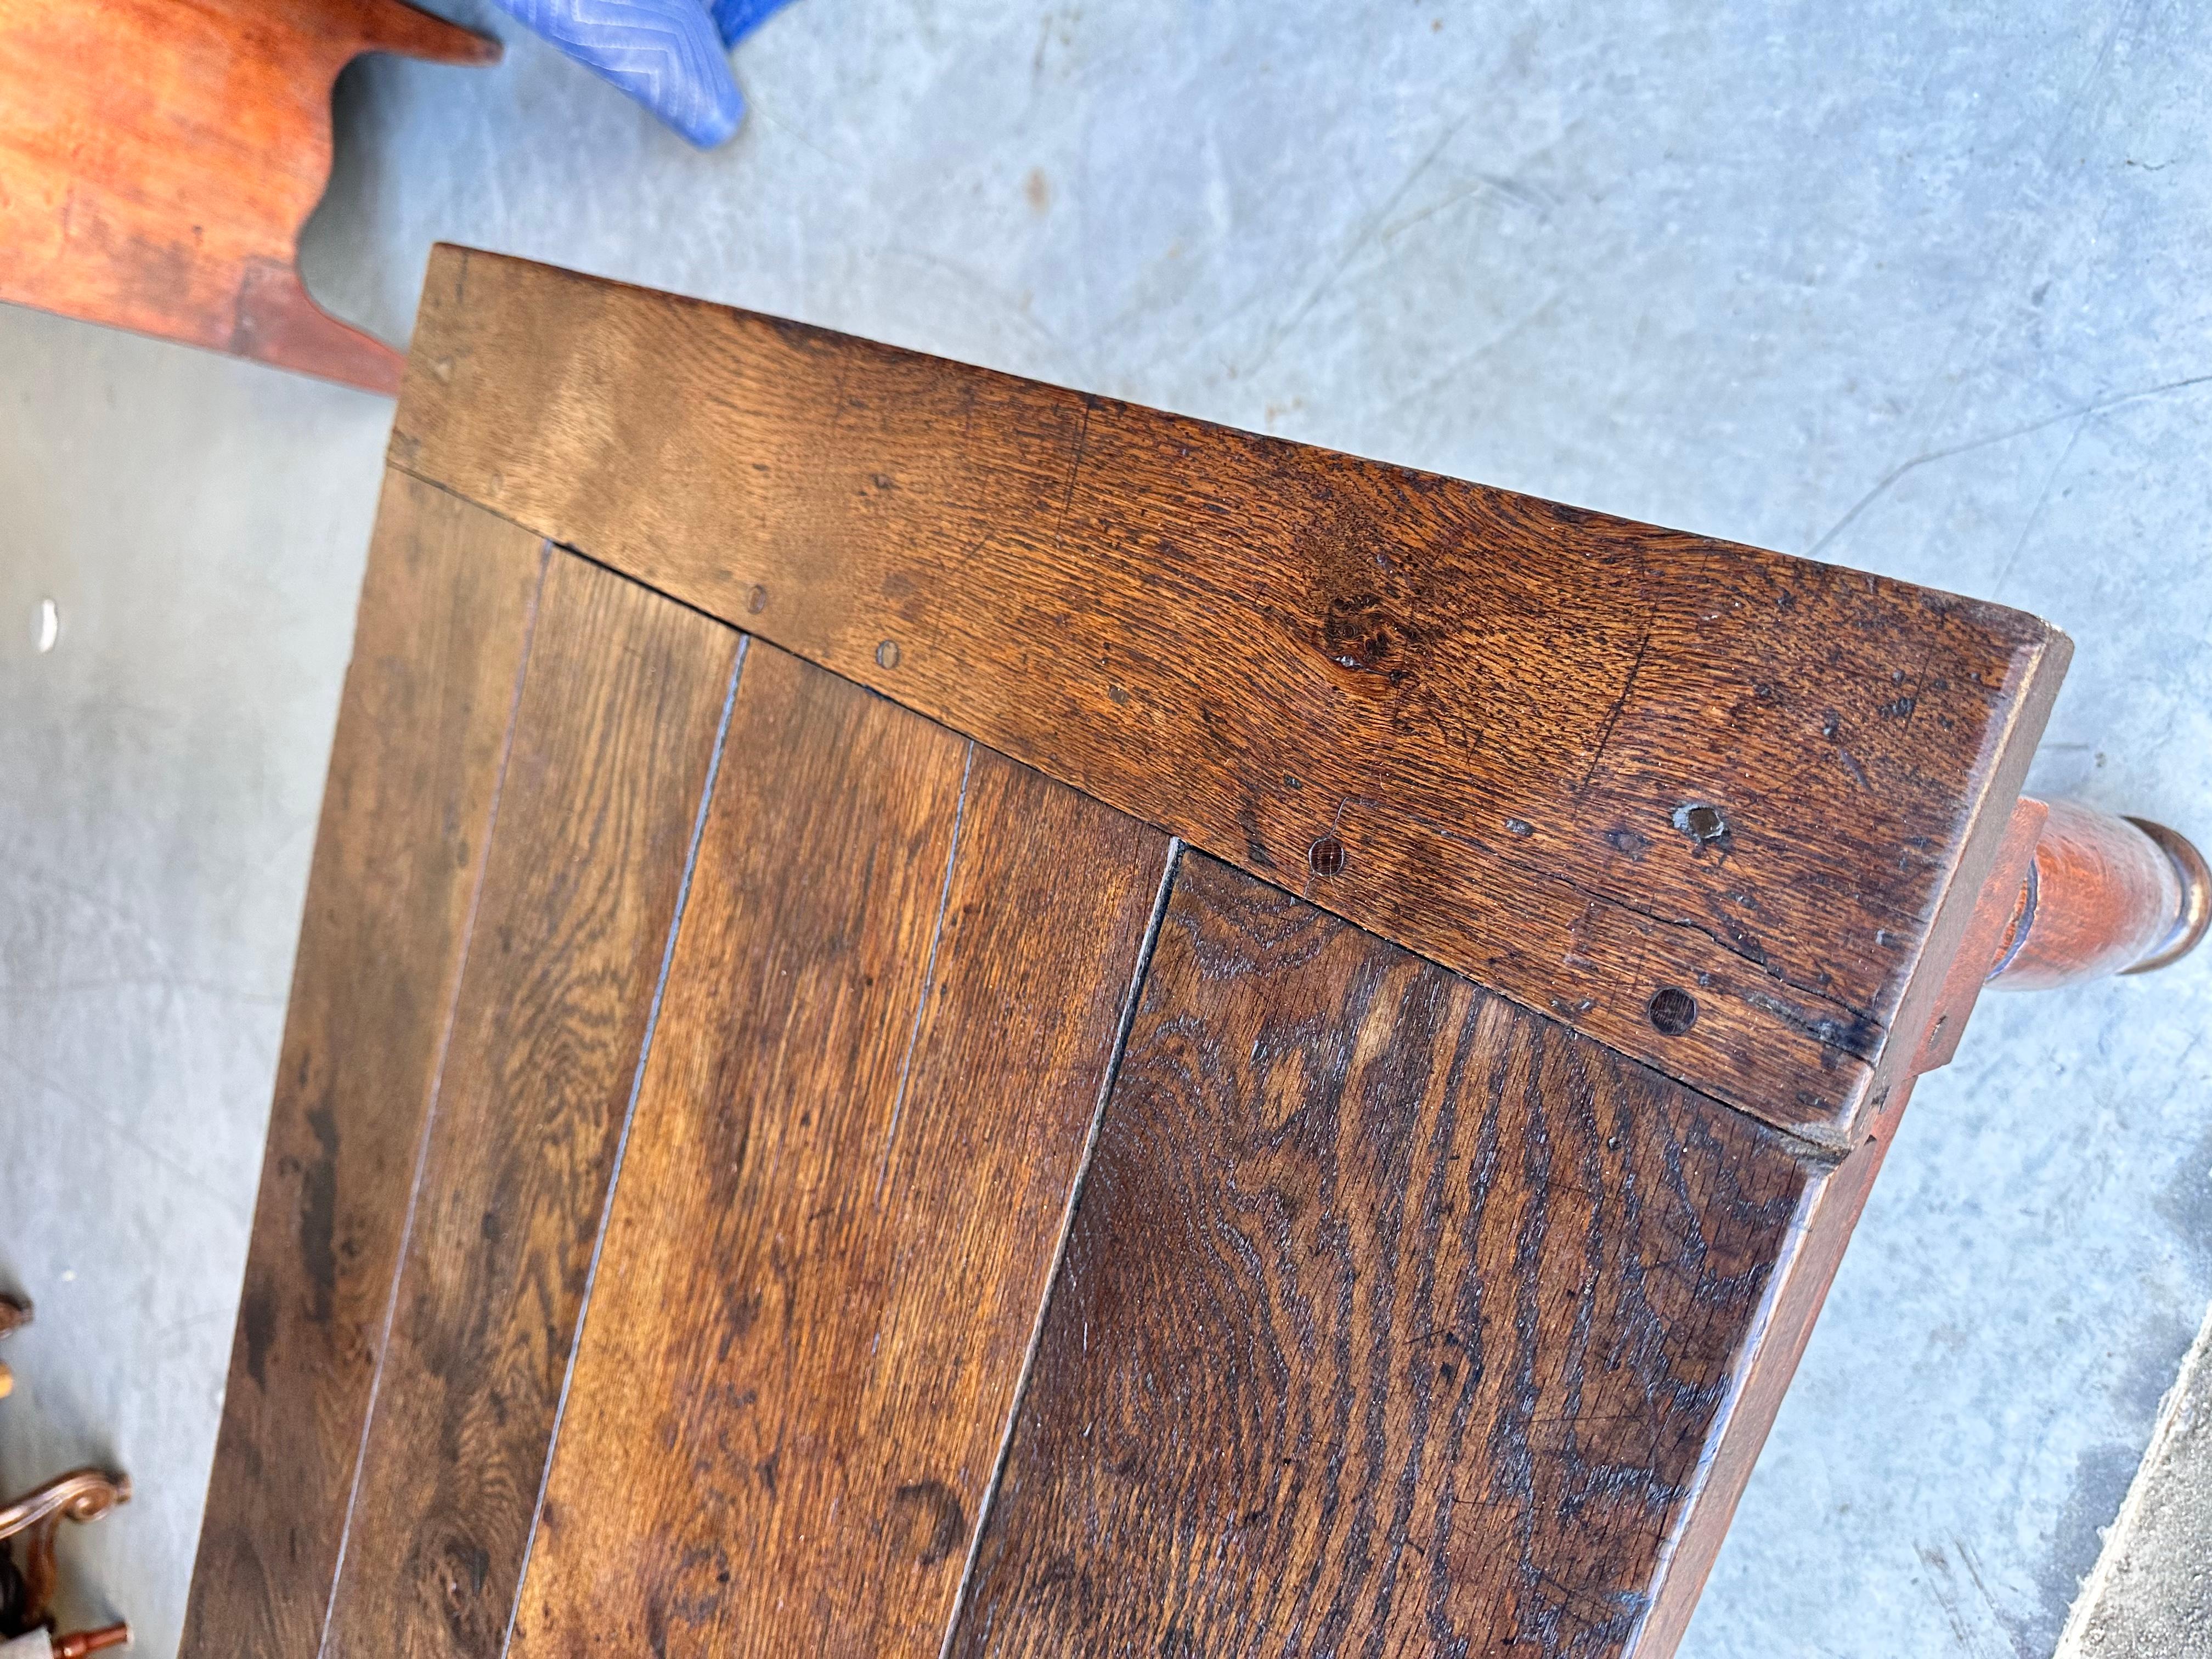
(936, 1524)
(1394, 1319)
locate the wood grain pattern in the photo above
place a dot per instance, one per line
(614, 733)
(1983, 942)
(161, 155)
(1394, 1319)
(1578, 759)
(2105, 895)
(437, 657)
(1799, 1286)
(889, 1022)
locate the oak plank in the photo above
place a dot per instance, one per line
(1513, 717)
(894, 1001)
(437, 656)
(1394, 1318)
(614, 734)
(1763, 1371)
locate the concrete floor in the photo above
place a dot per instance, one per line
(1916, 289)
(2150, 1596)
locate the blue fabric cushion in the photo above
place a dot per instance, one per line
(738, 18)
(668, 54)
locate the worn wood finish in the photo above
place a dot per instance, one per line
(890, 1013)
(1428, 1291)
(437, 659)
(1984, 939)
(613, 736)
(2105, 895)
(161, 155)
(1394, 1319)
(1802, 1272)
(1581, 760)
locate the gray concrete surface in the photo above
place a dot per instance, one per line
(2150, 1595)
(1914, 288)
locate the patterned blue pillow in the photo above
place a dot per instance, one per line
(670, 55)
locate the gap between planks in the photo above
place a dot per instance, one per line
(1113, 1070)
(629, 1116)
(546, 549)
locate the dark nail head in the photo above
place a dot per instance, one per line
(1673, 1012)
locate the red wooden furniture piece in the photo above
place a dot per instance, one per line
(158, 158)
(28, 1530)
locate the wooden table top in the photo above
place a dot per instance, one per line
(942, 1015)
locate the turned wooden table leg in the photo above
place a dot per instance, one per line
(2073, 893)
(2102, 894)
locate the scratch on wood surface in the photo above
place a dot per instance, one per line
(1074, 469)
(1612, 715)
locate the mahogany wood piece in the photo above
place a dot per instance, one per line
(610, 742)
(889, 1022)
(160, 157)
(1388, 1223)
(1394, 1319)
(13, 1315)
(92, 1641)
(422, 731)
(1582, 761)
(2104, 895)
(27, 1591)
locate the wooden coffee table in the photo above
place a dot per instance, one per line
(940, 1016)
